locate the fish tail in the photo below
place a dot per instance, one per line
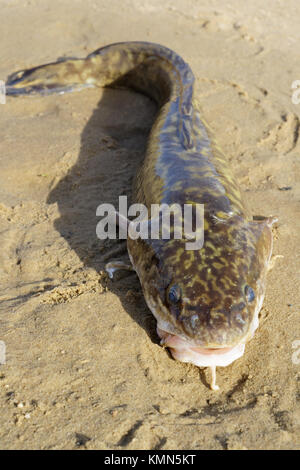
(150, 68)
(55, 77)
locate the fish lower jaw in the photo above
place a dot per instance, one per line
(207, 357)
(184, 351)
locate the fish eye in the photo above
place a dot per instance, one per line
(174, 294)
(249, 293)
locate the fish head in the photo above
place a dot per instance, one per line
(206, 300)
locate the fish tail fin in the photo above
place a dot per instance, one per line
(56, 77)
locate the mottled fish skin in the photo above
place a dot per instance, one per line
(183, 165)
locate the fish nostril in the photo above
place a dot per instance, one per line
(238, 307)
(194, 320)
(239, 319)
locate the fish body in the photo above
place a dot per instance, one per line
(206, 301)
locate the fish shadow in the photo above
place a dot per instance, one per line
(113, 144)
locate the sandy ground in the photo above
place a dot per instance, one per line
(84, 368)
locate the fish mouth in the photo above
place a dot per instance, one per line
(186, 351)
